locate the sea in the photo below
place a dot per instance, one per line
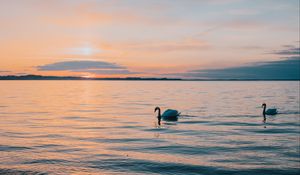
(88, 127)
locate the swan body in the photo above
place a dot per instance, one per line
(169, 114)
(271, 111)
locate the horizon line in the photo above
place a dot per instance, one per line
(50, 77)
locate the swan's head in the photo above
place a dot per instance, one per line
(157, 108)
(263, 105)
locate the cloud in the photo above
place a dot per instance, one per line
(79, 65)
(4, 71)
(283, 69)
(97, 67)
(290, 50)
(286, 68)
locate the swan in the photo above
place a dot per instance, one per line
(271, 111)
(169, 114)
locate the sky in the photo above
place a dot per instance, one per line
(157, 38)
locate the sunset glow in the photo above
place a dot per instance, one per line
(147, 38)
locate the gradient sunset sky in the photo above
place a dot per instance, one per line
(150, 38)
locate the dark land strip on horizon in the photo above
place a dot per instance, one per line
(40, 77)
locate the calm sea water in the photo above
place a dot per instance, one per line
(109, 127)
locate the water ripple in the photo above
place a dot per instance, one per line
(19, 172)
(13, 148)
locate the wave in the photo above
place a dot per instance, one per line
(19, 172)
(13, 148)
(131, 165)
(288, 112)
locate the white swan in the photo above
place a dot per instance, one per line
(271, 111)
(169, 114)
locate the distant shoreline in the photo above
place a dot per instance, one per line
(40, 77)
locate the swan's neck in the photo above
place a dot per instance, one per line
(264, 110)
(159, 114)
